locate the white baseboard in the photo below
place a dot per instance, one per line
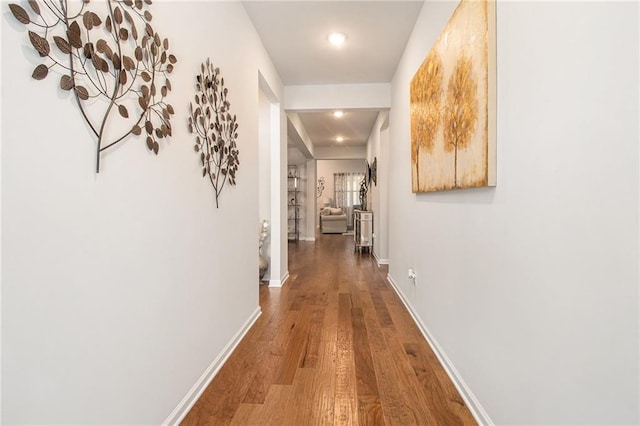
(311, 239)
(472, 402)
(179, 413)
(380, 261)
(279, 283)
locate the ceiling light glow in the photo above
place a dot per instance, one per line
(338, 114)
(339, 139)
(337, 39)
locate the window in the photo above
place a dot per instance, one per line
(347, 192)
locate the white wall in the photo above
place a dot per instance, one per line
(531, 288)
(332, 96)
(312, 201)
(279, 202)
(358, 152)
(264, 171)
(326, 169)
(382, 224)
(378, 150)
(298, 136)
(120, 289)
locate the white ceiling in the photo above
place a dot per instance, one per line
(355, 126)
(295, 33)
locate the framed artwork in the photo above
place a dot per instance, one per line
(452, 100)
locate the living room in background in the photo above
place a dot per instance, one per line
(328, 168)
(346, 193)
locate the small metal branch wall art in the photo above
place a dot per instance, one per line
(374, 171)
(215, 128)
(364, 189)
(320, 187)
(106, 51)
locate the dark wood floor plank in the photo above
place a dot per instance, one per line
(284, 329)
(344, 337)
(381, 309)
(370, 410)
(330, 324)
(346, 405)
(448, 408)
(377, 340)
(290, 361)
(365, 373)
(400, 393)
(314, 390)
(299, 302)
(274, 411)
(314, 397)
(312, 351)
(405, 328)
(345, 411)
(354, 293)
(293, 281)
(263, 379)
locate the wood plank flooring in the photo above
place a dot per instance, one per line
(334, 346)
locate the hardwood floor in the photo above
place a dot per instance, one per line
(334, 346)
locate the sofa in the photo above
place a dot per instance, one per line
(333, 221)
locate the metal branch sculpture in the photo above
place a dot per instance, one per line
(364, 188)
(320, 187)
(118, 57)
(215, 128)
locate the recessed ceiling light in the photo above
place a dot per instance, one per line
(339, 139)
(338, 114)
(337, 39)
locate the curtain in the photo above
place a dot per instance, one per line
(346, 192)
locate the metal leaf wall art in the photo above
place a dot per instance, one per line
(109, 51)
(215, 128)
(320, 187)
(364, 189)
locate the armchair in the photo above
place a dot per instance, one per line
(333, 221)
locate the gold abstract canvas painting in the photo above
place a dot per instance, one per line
(453, 104)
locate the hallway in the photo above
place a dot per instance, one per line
(335, 345)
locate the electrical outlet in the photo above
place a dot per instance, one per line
(411, 274)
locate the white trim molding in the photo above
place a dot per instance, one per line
(279, 283)
(472, 402)
(380, 261)
(313, 97)
(310, 239)
(179, 413)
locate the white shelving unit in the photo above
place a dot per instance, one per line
(294, 203)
